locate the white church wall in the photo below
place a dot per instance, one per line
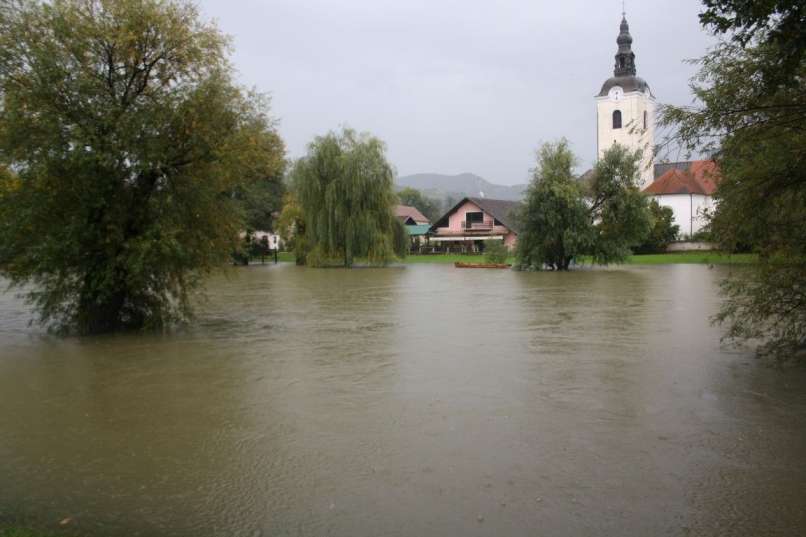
(689, 211)
(632, 133)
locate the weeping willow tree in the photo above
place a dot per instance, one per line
(344, 187)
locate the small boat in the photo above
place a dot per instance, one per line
(459, 264)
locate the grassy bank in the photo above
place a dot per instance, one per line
(696, 258)
(700, 258)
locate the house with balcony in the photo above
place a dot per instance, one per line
(472, 221)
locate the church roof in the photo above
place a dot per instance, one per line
(693, 177)
(625, 73)
(627, 83)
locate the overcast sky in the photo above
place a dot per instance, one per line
(453, 86)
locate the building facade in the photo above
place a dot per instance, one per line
(473, 221)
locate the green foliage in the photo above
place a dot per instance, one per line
(8, 181)
(291, 227)
(401, 241)
(751, 22)
(697, 258)
(414, 198)
(495, 252)
(751, 119)
(261, 199)
(555, 222)
(564, 219)
(663, 230)
(129, 139)
(766, 303)
(619, 212)
(344, 186)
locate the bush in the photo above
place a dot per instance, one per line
(662, 232)
(495, 252)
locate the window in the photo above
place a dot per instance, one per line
(474, 218)
(645, 116)
(617, 119)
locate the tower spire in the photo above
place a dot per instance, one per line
(625, 57)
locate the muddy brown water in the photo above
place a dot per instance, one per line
(411, 401)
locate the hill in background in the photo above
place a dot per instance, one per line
(439, 187)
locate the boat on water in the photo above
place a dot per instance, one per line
(460, 264)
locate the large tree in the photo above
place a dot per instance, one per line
(261, 199)
(565, 217)
(129, 139)
(555, 226)
(752, 117)
(344, 187)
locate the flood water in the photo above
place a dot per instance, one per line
(414, 401)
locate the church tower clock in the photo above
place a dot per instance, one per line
(625, 108)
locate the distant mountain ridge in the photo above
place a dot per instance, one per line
(439, 186)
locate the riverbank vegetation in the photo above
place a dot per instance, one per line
(751, 118)
(680, 258)
(564, 218)
(343, 197)
(132, 150)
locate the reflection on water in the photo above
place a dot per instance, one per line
(415, 401)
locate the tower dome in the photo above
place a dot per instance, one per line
(624, 73)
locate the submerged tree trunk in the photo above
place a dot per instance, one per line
(99, 314)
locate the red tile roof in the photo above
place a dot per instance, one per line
(701, 177)
(404, 212)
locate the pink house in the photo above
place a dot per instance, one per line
(475, 220)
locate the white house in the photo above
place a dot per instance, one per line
(688, 188)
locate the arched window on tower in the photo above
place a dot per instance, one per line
(645, 120)
(617, 119)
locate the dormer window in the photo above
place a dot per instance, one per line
(617, 119)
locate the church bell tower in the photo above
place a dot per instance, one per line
(625, 108)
